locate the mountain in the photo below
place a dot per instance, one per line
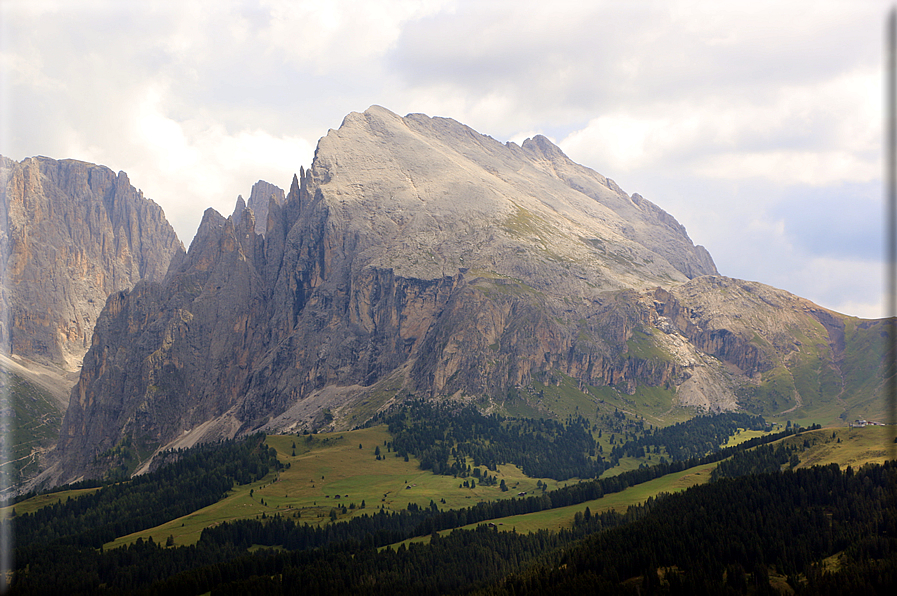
(418, 257)
(262, 194)
(71, 234)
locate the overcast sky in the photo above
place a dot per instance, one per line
(758, 125)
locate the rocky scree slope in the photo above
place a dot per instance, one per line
(416, 256)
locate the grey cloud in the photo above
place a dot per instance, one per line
(553, 67)
(844, 220)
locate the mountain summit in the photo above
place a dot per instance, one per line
(417, 257)
(426, 197)
(71, 234)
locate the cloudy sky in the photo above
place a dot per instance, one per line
(758, 125)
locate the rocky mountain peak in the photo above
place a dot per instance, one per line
(74, 233)
(404, 183)
(541, 146)
(263, 193)
(418, 257)
(239, 207)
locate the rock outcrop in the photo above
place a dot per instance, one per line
(259, 199)
(71, 233)
(416, 256)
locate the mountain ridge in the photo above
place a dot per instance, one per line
(73, 233)
(418, 257)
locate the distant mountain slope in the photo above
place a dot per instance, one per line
(418, 257)
(35, 397)
(259, 199)
(72, 233)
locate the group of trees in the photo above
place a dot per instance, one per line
(721, 538)
(724, 537)
(692, 438)
(718, 538)
(191, 480)
(446, 437)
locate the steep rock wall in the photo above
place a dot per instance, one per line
(72, 234)
(419, 255)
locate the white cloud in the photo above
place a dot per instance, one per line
(816, 168)
(340, 33)
(187, 166)
(718, 112)
(623, 142)
(845, 285)
(865, 310)
(818, 133)
(20, 71)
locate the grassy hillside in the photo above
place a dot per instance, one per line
(333, 477)
(329, 472)
(845, 446)
(853, 447)
(32, 419)
(40, 501)
(320, 497)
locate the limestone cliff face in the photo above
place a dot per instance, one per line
(71, 233)
(416, 256)
(259, 199)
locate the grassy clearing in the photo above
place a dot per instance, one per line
(556, 519)
(187, 529)
(34, 503)
(329, 472)
(562, 517)
(857, 446)
(745, 435)
(627, 464)
(337, 473)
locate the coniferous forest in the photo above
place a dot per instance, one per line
(819, 529)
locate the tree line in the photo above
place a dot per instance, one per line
(446, 436)
(721, 538)
(692, 438)
(191, 480)
(726, 536)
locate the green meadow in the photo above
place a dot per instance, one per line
(338, 475)
(35, 503)
(337, 472)
(744, 435)
(562, 517)
(857, 446)
(846, 446)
